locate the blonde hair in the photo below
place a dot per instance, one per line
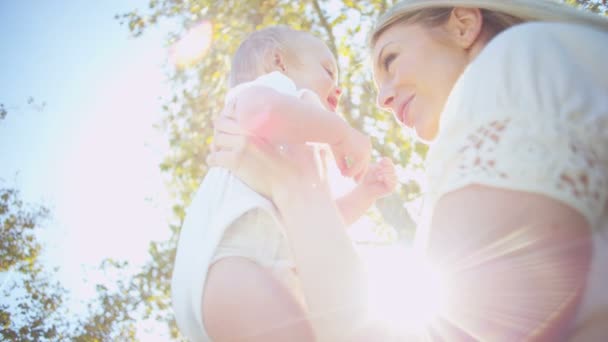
(255, 56)
(498, 15)
(493, 22)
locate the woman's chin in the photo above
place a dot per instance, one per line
(425, 134)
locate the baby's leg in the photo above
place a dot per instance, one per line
(244, 301)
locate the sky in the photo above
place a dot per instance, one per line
(91, 153)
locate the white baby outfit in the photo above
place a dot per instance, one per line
(228, 218)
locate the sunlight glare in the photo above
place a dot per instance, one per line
(406, 292)
(193, 46)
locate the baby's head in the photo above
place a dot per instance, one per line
(301, 56)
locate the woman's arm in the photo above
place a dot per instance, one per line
(594, 329)
(517, 263)
(245, 302)
(333, 278)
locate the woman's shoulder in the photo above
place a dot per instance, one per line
(529, 113)
(538, 35)
(535, 66)
(540, 44)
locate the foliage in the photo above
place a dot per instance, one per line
(18, 224)
(33, 300)
(33, 307)
(38, 296)
(596, 6)
(111, 315)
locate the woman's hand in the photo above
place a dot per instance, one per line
(268, 169)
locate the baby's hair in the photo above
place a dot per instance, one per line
(255, 56)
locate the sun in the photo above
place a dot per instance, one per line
(193, 46)
(406, 293)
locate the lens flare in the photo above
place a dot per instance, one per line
(193, 46)
(406, 292)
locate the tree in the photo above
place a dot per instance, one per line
(596, 6)
(112, 313)
(33, 309)
(39, 297)
(200, 88)
(33, 306)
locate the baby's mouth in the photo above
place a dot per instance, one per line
(332, 101)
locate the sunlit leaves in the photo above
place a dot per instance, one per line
(18, 247)
(596, 6)
(32, 297)
(33, 307)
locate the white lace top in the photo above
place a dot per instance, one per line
(531, 114)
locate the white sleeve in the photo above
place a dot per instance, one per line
(275, 80)
(530, 114)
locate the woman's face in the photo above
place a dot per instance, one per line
(415, 68)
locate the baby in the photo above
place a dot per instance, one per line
(283, 88)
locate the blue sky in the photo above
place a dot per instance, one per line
(91, 154)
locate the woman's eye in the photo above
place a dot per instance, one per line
(330, 73)
(388, 60)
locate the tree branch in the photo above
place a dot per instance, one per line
(326, 26)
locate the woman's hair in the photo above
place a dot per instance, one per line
(255, 56)
(493, 22)
(498, 15)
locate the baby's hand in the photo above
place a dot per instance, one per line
(353, 154)
(380, 180)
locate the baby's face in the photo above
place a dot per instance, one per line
(317, 71)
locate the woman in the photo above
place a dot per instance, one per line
(517, 116)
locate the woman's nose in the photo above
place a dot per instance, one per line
(338, 92)
(385, 98)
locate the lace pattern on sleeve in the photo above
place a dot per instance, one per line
(549, 160)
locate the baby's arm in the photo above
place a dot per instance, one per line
(380, 181)
(286, 119)
(353, 205)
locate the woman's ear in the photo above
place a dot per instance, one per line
(465, 26)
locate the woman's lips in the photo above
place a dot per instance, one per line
(404, 111)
